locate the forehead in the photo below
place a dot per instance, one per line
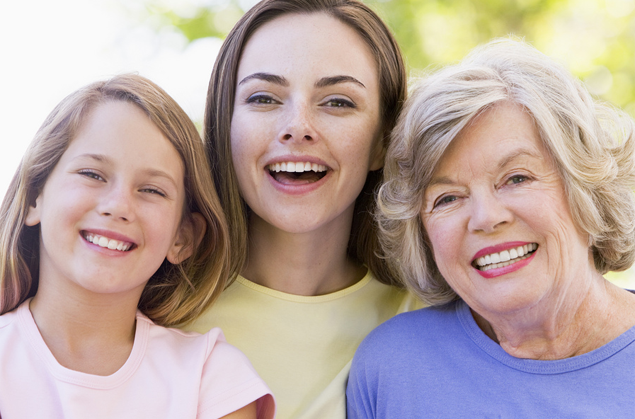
(494, 134)
(123, 132)
(314, 44)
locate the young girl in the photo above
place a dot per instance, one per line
(110, 227)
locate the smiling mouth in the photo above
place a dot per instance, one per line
(504, 258)
(297, 173)
(107, 243)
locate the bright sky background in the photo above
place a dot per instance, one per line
(51, 48)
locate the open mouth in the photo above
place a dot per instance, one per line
(107, 243)
(504, 258)
(297, 173)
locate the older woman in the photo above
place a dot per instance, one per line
(508, 194)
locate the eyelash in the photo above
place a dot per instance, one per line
(442, 201)
(154, 191)
(91, 174)
(340, 103)
(447, 199)
(261, 99)
(510, 179)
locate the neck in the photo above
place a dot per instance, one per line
(580, 323)
(307, 263)
(87, 333)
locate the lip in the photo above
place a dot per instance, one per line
(497, 249)
(111, 235)
(297, 189)
(492, 273)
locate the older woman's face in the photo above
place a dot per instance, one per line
(498, 219)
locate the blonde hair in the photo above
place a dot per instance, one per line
(363, 245)
(175, 293)
(591, 144)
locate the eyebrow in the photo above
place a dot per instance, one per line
(268, 77)
(330, 81)
(504, 162)
(280, 80)
(98, 157)
(513, 156)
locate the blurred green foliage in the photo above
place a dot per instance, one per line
(595, 39)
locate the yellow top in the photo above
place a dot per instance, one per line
(303, 346)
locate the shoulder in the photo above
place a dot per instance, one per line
(11, 320)
(411, 327)
(188, 347)
(9, 330)
(415, 335)
(396, 355)
(229, 381)
(7, 319)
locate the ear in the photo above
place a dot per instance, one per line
(33, 215)
(378, 154)
(188, 238)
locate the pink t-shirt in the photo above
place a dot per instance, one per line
(169, 374)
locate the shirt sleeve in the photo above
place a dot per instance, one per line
(360, 393)
(229, 382)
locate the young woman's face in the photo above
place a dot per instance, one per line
(306, 125)
(110, 210)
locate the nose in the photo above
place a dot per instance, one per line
(299, 125)
(488, 213)
(117, 203)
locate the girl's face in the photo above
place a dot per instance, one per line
(110, 210)
(306, 124)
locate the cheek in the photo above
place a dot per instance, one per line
(161, 224)
(444, 241)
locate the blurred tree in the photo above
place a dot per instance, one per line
(595, 39)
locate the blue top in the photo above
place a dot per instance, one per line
(437, 363)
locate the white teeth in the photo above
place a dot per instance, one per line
(296, 167)
(506, 257)
(105, 242)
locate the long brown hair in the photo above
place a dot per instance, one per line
(363, 244)
(175, 293)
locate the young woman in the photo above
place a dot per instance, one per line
(301, 101)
